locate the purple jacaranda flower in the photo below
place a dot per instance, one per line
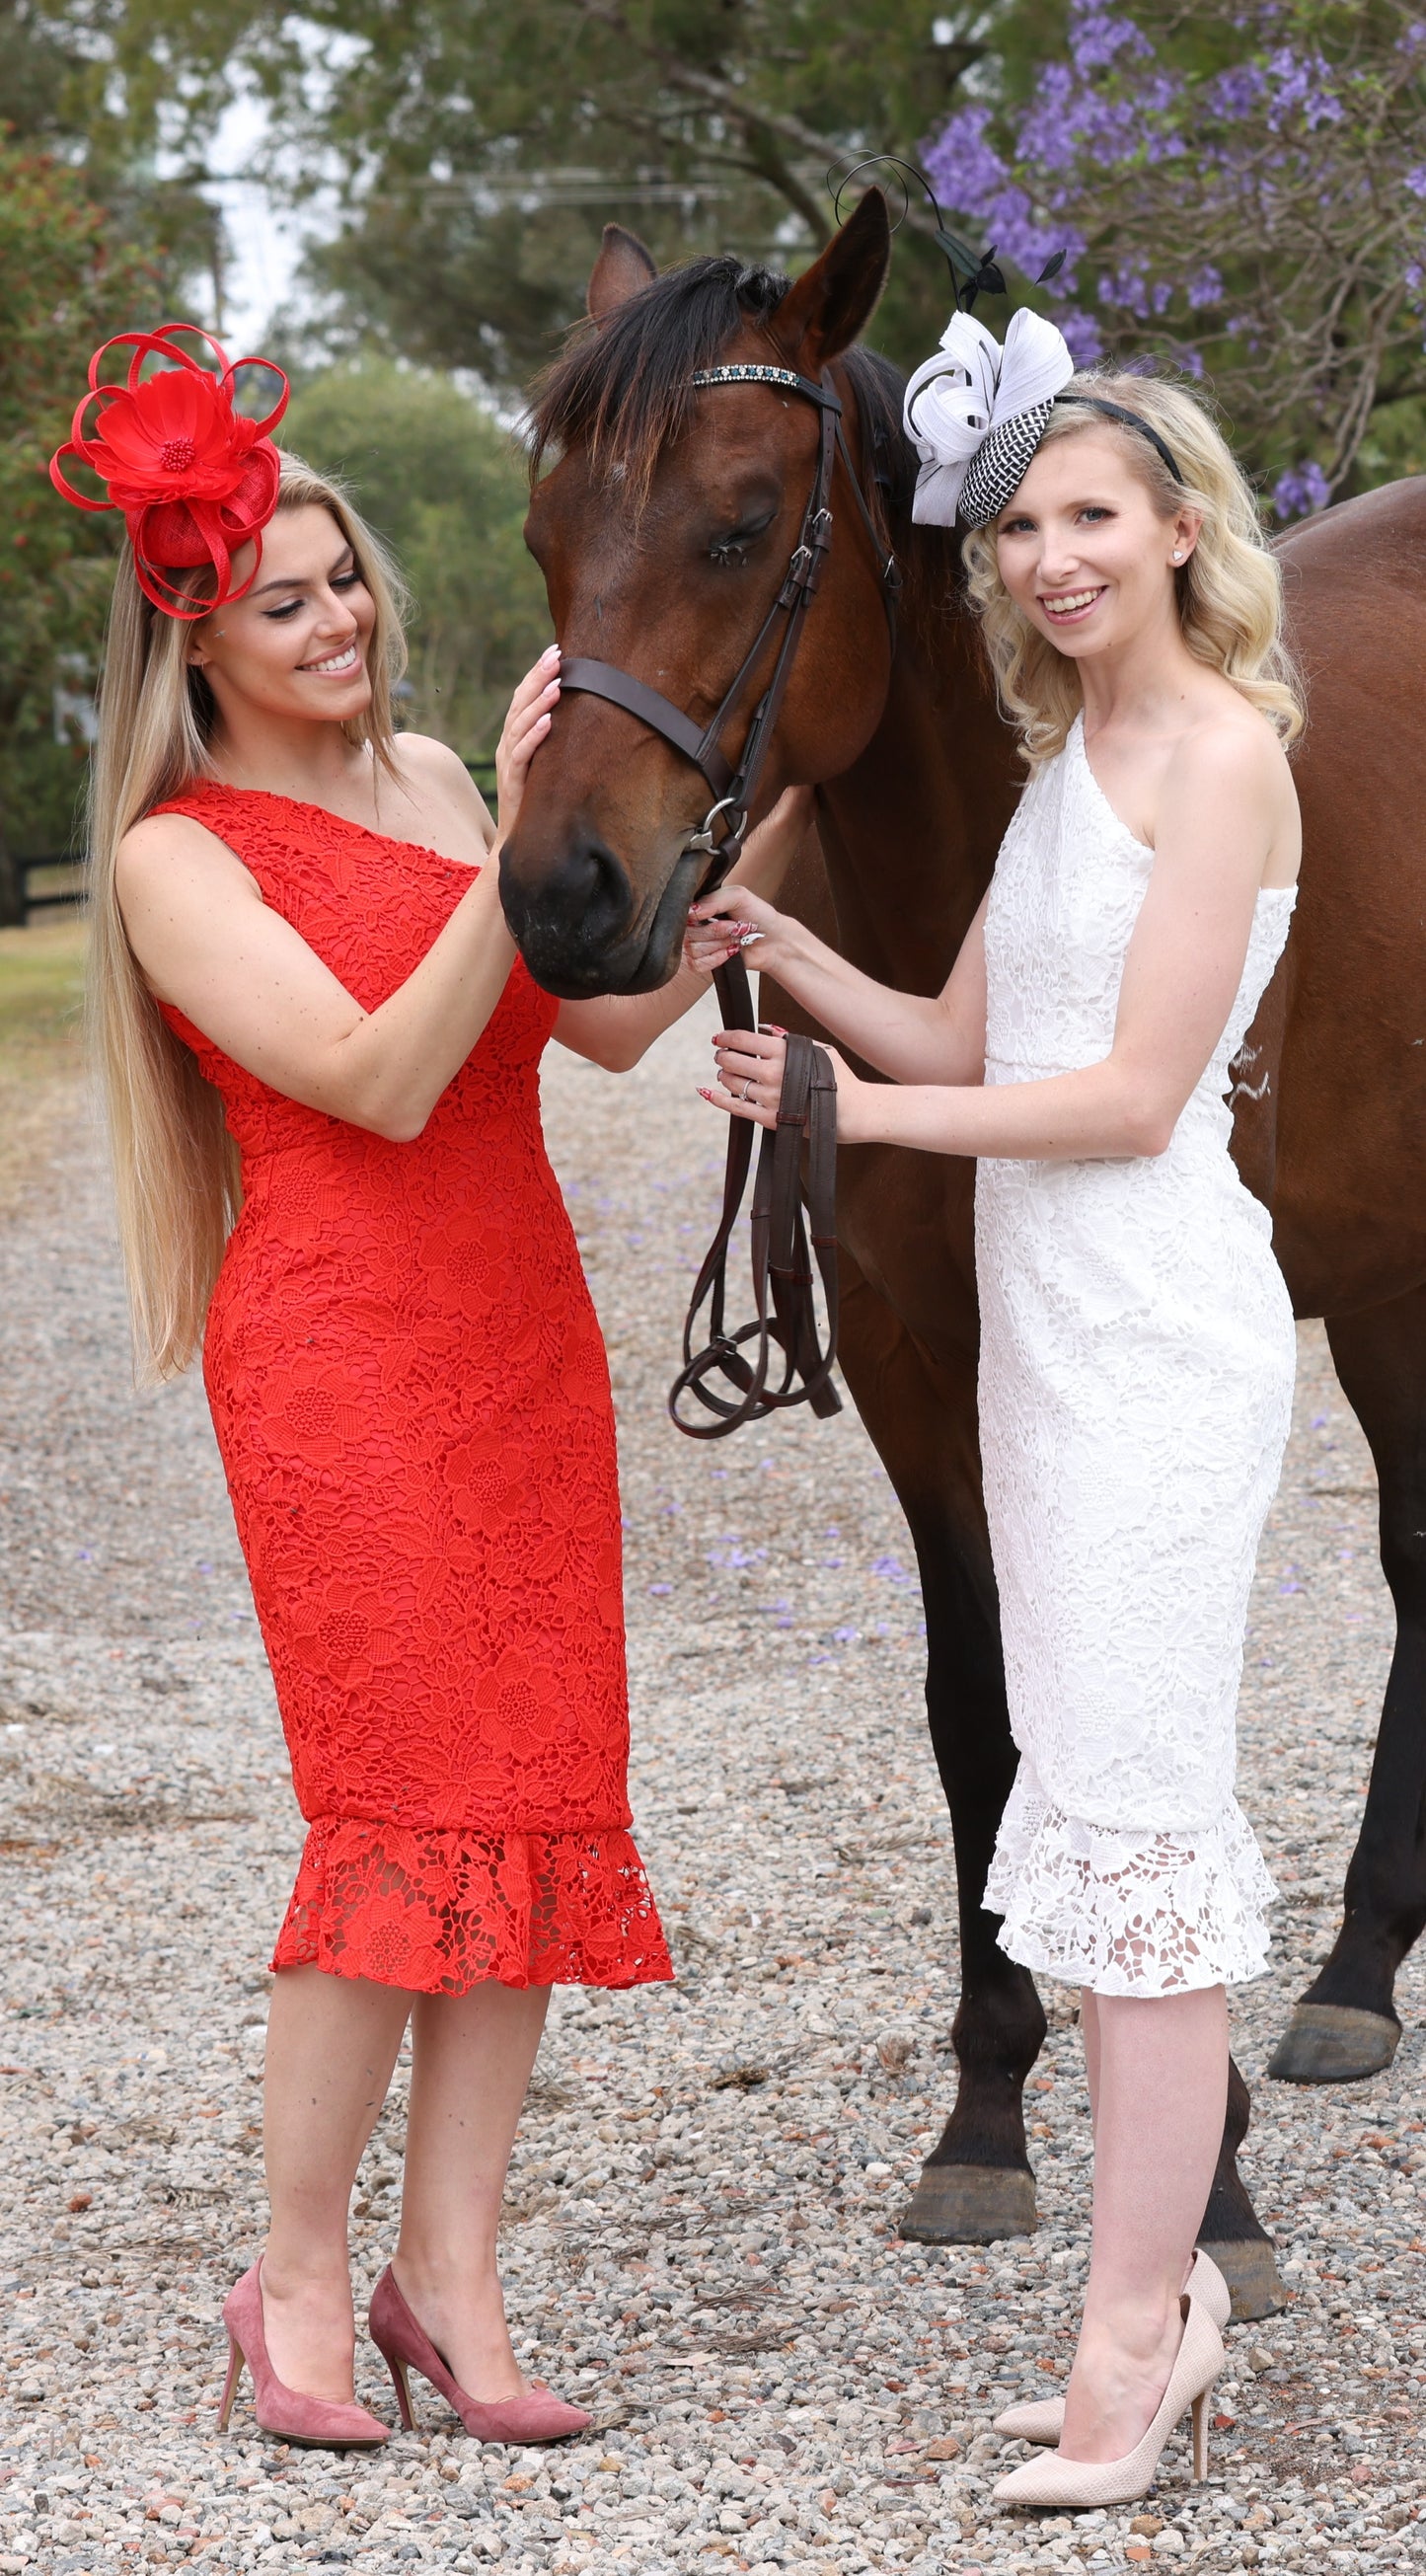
(1204, 287)
(1235, 94)
(970, 178)
(1299, 85)
(1083, 335)
(1302, 489)
(1099, 36)
(962, 164)
(1129, 290)
(1416, 181)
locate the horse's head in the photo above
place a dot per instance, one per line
(665, 532)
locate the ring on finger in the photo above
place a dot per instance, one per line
(747, 1090)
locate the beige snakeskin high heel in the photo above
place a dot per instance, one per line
(1076, 2486)
(1043, 2419)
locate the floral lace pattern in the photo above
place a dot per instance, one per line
(1136, 1372)
(412, 1402)
(436, 1913)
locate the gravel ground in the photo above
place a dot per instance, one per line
(702, 2211)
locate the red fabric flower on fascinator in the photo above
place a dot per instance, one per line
(194, 477)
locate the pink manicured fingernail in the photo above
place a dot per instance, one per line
(702, 1094)
(551, 653)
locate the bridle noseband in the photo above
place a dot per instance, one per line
(734, 787)
(782, 1254)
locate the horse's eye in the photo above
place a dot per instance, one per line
(733, 548)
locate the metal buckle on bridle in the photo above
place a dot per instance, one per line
(703, 839)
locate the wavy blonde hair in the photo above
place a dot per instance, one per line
(1229, 590)
(175, 1164)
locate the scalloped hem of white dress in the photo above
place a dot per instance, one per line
(1128, 1913)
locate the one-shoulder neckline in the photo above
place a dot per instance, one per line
(1076, 737)
(302, 805)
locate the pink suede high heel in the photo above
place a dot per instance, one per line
(404, 2345)
(313, 2423)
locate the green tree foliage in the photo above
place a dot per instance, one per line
(488, 141)
(90, 243)
(63, 286)
(445, 485)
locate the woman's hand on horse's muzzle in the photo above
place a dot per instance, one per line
(526, 725)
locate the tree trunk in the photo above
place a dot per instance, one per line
(12, 888)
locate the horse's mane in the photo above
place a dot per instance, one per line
(625, 385)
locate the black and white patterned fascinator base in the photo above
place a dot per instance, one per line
(976, 413)
(1000, 463)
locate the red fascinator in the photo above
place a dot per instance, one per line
(194, 477)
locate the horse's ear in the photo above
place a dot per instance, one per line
(834, 300)
(623, 266)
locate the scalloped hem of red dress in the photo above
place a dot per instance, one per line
(439, 1912)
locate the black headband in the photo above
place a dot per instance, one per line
(1116, 411)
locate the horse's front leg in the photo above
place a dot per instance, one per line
(976, 2183)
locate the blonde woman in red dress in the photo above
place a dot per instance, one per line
(310, 1010)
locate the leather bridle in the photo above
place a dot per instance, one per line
(735, 787)
(807, 1110)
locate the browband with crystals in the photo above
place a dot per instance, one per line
(750, 375)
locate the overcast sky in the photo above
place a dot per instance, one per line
(264, 240)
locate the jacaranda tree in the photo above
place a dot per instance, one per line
(1246, 199)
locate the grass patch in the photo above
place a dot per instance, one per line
(41, 1045)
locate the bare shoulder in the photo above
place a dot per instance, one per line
(435, 771)
(1234, 751)
(162, 846)
(424, 758)
(1232, 768)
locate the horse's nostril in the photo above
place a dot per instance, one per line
(570, 912)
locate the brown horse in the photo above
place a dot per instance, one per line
(663, 531)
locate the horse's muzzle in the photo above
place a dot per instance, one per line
(583, 930)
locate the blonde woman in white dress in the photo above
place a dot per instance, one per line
(1137, 1340)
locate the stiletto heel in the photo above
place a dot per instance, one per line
(1077, 2485)
(313, 2423)
(404, 2345)
(402, 2385)
(230, 2384)
(1043, 2419)
(1200, 2436)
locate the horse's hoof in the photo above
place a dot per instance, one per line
(1334, 2044)
(1249, 2266)
(969, 2205)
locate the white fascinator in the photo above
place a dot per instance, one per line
(976, 413)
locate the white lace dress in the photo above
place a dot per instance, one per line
(1136, 1375)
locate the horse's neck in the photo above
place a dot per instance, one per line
(911, 830)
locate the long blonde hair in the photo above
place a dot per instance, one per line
(1229, 590)
(175, 1164)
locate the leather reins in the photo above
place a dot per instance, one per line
(782, 1257)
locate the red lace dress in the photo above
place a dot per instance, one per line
(411, 1398)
